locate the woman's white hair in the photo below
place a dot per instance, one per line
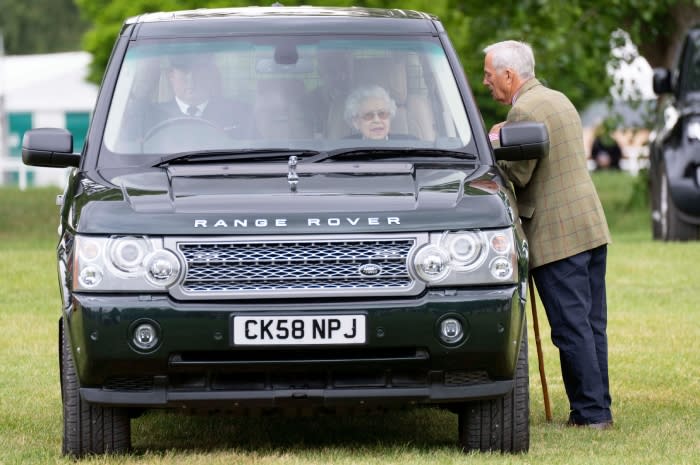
(359, 95)
(513, 54)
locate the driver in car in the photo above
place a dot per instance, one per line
(195, 82)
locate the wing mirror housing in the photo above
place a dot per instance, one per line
(524, 140)
(49, 147)
(662, 81)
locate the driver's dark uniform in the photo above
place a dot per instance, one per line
(232, 116)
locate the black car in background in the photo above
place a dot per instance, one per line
(675, 146)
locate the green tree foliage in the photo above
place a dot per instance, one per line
(571, 46)
(571, 39)
(40, 26)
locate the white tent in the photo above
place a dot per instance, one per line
(50, 82)
(47, 87)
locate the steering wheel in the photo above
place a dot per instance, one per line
(183, 133)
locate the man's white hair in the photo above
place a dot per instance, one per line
(359, 95)
(513, 54)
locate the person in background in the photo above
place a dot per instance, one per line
(566, 229)
(605, 151)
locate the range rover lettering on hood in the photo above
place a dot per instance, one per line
(284, 222)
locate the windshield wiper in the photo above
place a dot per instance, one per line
(366, 152)
(204, 156)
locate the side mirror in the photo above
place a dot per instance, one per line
(49, 147)
(662, 81)
(525, 140)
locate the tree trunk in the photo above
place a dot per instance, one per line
(661, 48)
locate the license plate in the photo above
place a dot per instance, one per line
(298, 330)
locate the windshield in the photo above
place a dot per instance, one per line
(689, 78)
(317, 94)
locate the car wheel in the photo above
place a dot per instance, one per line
(673, 228)
(88, 429)
(501, 424)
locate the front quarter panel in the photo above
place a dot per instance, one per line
(678, 155)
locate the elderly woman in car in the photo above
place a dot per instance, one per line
(369, 110)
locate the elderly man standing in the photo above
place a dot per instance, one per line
(566, 229)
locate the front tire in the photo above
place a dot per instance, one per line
(502, 424)
(88, 429)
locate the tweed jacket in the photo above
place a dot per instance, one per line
(557, 200)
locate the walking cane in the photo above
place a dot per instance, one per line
(540, 359)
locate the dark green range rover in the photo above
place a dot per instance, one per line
(264, 253)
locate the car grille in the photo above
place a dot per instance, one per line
(308, 267)
(131, 384)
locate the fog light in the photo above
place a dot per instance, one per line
(145, 336)
(451, 330)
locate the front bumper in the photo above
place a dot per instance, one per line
(196, 365)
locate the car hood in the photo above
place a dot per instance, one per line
(264, 199)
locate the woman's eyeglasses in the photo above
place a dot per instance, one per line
(370, 115)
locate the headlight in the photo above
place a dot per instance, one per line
(501, 268)
(162, 268)
(466, 249)
(127, 253)
(468, 257)
(432, 264)
(693, 130)
(90, 276)
(123, 263)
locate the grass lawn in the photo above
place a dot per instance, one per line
(654, 331)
